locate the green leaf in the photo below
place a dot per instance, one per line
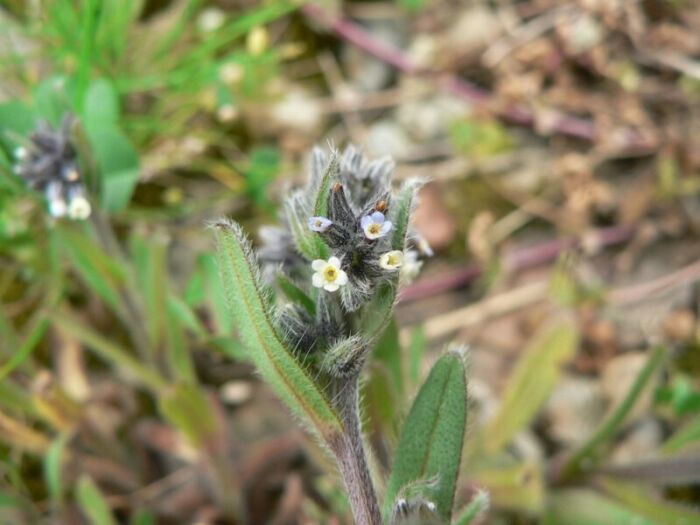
(476, 508)
(401, 209)
(101, 102)
(531, 382)
(52, 100)
(388, 352)
(216, 295)
(53, 463)
(432, 437)
(587, 507)
(585, 456)
(685, 435)
(109, 350)
(645, 502)
(295, 294)
(250, 310)
(264, 165)
(92, 502)
(102, 274)
(16, 120)
(149, 256)
(187, 409)
(320, 208)
(515, 486)
(117, 163)
(376, 315)
(416, 351)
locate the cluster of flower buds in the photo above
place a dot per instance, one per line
(358, 236)
(49, 164)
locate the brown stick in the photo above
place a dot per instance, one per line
(517, 260)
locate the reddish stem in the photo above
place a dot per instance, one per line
(515, 261)
(560, 123)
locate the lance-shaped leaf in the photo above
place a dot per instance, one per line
(531, 382)
(250, 311)
(432, 437)
(477, 507)
(401, 209)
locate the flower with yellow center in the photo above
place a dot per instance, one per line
(375, 225)
(328, 274)
(391, 260)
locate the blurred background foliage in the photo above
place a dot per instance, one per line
(562, 143)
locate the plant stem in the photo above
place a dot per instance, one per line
(349, 452)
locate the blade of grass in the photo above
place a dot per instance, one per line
(109, 350)
(585, 457)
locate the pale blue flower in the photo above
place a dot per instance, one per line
(319, 224)
(375, 225)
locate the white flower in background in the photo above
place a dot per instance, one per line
(20, 152)
(328, 274)
(54, 196)
(411, 266)
(424, 247)
(58, 208)
(210, 20)
(392, 260)
(319, 224)
(375, 225)
(79, 208)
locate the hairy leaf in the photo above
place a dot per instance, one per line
(432, 437)
(531, 382)
(250, 311)
(401, 209)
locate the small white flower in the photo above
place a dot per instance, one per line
(319, 224)
(20, 152)
(392, 260)
(375, 225)
(79, 208)
(58, 208)
(328, 274)
(411, 266)
(424, 247)
(210, 20)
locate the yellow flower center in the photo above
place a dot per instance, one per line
(330, 273)
(374, 228)
(392, 260)
(318, 223)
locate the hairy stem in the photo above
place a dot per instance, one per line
(349, 452)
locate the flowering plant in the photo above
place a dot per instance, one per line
(337, 259)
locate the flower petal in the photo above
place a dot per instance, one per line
(334, 261)
(366, 221)
(386, 227)
(317, 280)
(318, 265)
(331, 287)
(378, 217)
(342, 278)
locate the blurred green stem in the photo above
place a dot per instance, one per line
(133, 314)
(585, 457)
(109, 351)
